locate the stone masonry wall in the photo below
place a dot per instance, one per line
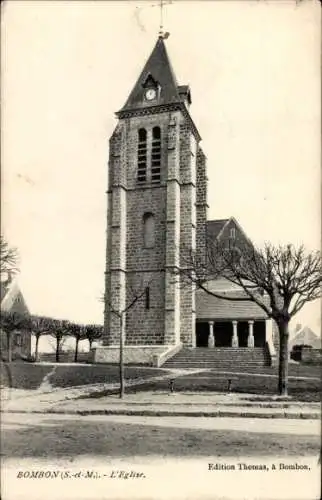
(130, 267)
(173, 225)
(188, 149)
(146, 265)
(145, 326)
(116, 230)
(201, 203)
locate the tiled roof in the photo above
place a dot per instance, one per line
(209, 307)
(12, 299)
(214, 227)
(307, 337)
(159, 67)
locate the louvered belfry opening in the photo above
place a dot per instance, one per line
(142, 155)
(156, 155)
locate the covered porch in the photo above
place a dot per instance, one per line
(230, 323)
(231, 333)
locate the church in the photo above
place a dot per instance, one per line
(156, 213)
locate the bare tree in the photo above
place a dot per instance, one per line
(59, 330)
(40, 325)
(92, 333)
(8, 258)
(133, 296)
(280, 280)
(77, 331)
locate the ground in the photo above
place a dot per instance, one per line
(169, 457)
(60, 436)
(148, 457)
(304, 381)
(32, 376)
(306, 389)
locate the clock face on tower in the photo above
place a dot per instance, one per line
(150, 94)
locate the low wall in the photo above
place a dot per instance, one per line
(136, 355)
(310, 355)
(160, 359)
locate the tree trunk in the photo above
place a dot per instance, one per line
(90, 343)
(76, 350)
(57, 349)
(283, 358)
(122, 334)
(36, 347)
(9, 346)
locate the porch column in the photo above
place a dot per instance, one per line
(211, 338)
(251, 340)
(234, 341)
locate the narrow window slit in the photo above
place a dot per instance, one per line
(147, 298)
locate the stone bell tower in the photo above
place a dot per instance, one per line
(156, 213)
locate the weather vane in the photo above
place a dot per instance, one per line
(161, 5)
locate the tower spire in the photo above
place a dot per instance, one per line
(157, 70)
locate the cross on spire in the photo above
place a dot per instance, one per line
(162, 3)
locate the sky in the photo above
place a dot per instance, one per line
(67, 67)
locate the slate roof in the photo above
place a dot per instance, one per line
(159, 67)
(214, 227)
(12, 299)
(212, 308)
(209, 307)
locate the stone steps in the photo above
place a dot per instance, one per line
(219, 358)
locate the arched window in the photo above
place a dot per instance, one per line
(142, 155)
(148, 230)
(156, 155)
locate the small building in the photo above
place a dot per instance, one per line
(224, 323)
(228, 323)
(12, 300)
(305, 336)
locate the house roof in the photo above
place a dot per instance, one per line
(214, 227)
(158, 67)
(306, 336)
(12, 299)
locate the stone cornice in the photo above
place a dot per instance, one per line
(202, 204)
(163, 185)
(116, 270)
(165, 108)
(129, 271)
